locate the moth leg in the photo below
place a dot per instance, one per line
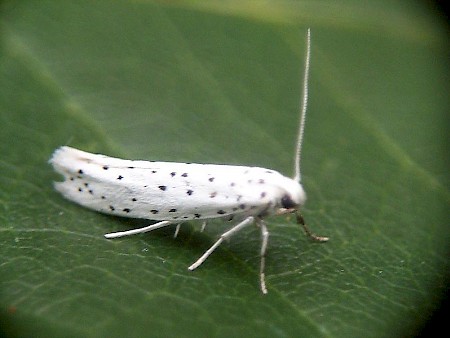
(203, 226)
(224, 236)
(177, 229)
(138, 231)
(313, 236)
(264, 241)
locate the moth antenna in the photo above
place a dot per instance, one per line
(303, 106)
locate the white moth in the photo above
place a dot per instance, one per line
(172, 193)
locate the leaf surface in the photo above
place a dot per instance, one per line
(215, 82)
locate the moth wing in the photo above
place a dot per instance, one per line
(160, 190)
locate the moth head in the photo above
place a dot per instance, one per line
(292, 197)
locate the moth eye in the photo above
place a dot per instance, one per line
(287, 202)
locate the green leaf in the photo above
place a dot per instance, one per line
(219, 82)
